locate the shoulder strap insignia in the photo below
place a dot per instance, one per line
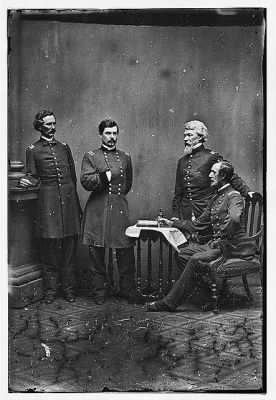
(31, 146)
(127, 154)
(91, 153)
(64, 143)
(212, 152)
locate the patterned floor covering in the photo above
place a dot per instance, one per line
(82, 347)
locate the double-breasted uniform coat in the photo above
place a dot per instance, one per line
(50, 164)
(225, 215)
(106, 216)
(192, 185)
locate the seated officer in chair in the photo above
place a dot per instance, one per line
(225, 215)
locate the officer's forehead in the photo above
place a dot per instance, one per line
(216, 167)
(112, 129)
(48, 119)
(191, 131)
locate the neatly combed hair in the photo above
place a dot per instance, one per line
(38, 122)
(199, 127)
(107, 123)
(226, 169)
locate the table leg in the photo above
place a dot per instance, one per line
(149, 288)
(138, 272)
(161, 294)
(170, 268)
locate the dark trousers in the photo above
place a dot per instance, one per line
(188, 261)
(58, 262)
(126, 268)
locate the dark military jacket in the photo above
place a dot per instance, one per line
(106, 214)
(51, 165)
(225, 214)
(192, 186)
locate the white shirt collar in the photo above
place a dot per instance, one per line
(108, 148)
(224, 186)
(48, 140)
(197, 145)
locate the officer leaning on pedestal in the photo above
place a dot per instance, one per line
(49, 163)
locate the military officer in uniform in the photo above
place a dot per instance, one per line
(225, 215)
(107, 174)
(192, 185)
(49, 163)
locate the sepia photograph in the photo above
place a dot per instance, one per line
(136, 200)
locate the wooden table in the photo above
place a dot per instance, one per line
(166, 236)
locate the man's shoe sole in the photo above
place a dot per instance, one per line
(99, 302)
(155, 306)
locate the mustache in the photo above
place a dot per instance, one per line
(50, 131)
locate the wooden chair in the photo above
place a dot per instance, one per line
(225, 268)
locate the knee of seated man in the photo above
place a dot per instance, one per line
(181, 258)
(197, 256)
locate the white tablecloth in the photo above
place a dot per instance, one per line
(172, 235)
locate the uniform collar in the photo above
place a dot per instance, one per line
(45, 141)
(224, 189)
(105, 148)
(198, 147)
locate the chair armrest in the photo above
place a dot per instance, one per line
(226, 245)
(215, 264)
(253, 238)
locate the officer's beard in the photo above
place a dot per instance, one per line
(188, 149)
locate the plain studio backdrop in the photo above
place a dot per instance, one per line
(150, 71)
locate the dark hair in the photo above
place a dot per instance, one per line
(107, 123)
(226, 170)
(38, 122)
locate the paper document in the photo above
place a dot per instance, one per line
(173, 235)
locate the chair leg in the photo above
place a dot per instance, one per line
(261, 277)
(245, 284)
(214, 297)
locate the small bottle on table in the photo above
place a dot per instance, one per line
(159, 216)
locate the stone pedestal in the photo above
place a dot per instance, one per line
(25, 274)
